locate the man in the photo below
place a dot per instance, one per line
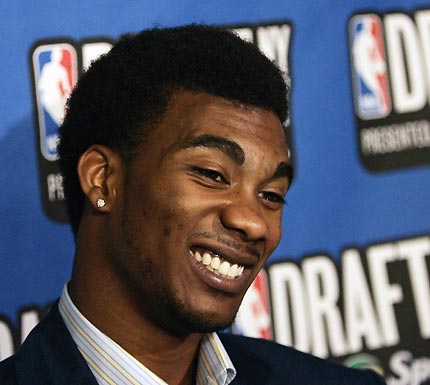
(176, 166)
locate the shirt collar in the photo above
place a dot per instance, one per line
(111, 364)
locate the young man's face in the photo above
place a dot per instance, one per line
(202, 210)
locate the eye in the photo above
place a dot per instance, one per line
(272, 197)
(211, 174)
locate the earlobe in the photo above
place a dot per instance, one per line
(97, 169)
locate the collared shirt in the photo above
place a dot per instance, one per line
(112, 365)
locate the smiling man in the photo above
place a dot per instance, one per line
(176, 167)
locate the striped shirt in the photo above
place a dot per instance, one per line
(112, 365)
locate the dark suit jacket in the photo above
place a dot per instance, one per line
(49, 356)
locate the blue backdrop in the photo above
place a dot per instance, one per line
(356, 228)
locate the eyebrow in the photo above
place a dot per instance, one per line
(228, 147)
(284, 170)
(236, 153)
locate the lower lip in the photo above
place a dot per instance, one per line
(218, 282)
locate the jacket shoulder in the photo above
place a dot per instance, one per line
(48, 356)
(273, 363)
(7, 372)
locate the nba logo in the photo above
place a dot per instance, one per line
(55, 73)
(254, 316)
(369, 67)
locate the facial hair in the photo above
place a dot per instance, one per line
(158, 301)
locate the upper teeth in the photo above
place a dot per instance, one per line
(218, 265)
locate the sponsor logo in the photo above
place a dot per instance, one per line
(409, 370)
(370, 71)
(390, 71)
(55, 73)
(364, 361)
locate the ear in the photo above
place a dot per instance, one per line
(99, 170)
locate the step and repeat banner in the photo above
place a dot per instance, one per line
(350, 278)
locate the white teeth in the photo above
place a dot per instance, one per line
(206, 259)
(224, 268)
(215, 263)
(219, 266)
(233, 271)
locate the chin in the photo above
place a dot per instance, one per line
(202, 325)
(181, 319)
(190, 321)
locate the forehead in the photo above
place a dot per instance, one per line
(191, 114)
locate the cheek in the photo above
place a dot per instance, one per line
(172, 208)
(167, 230)
(173, 216)
(275, 231)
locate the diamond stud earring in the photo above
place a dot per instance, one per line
(100, 202)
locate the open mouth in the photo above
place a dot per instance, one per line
(218, 265)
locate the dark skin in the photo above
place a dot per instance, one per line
(211, 176)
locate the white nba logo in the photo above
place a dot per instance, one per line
(55, 73)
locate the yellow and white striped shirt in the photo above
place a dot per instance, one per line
(112, 365)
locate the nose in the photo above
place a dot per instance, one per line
(245, 217)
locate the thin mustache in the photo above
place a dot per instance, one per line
(230, 243)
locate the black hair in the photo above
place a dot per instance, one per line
(128, 89)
